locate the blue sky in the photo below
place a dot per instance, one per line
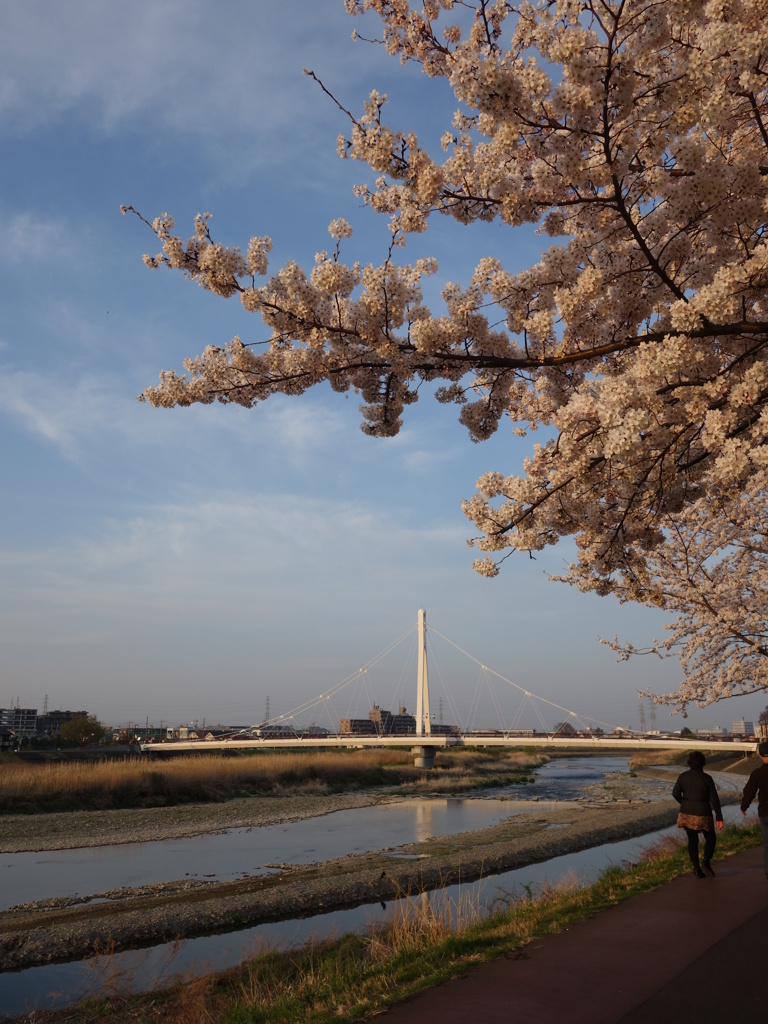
(187, 564)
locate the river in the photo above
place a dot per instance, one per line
(239, 852)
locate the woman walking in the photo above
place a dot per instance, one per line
(696, 793)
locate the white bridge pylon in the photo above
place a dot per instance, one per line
(423, 718)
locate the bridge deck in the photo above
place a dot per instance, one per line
(469, 740)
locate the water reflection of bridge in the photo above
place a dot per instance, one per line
(425, 742)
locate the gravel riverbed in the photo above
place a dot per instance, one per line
(20, 833)
(58, 930)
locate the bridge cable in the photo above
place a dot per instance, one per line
(516, 685)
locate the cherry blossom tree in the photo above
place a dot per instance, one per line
(633, 133)
(712, 572)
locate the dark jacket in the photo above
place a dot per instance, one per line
(696, 793)
(757, 785)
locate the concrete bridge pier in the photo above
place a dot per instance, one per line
(424, 757)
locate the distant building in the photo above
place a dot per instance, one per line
(439, 729)
(277, 730)
(742, 728)
(387, 724)
(383, 723)
(316, 732)
(357, 727)
(50, 723)
(23, 721)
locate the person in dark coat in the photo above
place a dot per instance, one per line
(696, 793)
(757, 786)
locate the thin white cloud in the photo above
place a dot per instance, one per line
(163, 61)
(92, 415)
(33, 240)
(296, 432)
(62, 413)
(36, 420)
(20, 399)
(207, 556)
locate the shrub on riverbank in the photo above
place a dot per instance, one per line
(142, 782)
(357, 976)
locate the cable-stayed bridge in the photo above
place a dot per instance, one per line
(422, 733)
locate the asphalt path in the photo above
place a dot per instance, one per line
(690, 950)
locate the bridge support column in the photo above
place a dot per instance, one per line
(424, 757)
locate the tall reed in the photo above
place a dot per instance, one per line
(134, 781)
(138, 781)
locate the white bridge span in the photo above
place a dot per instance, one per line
(538, 740)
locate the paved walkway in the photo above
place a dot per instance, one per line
(692, 950)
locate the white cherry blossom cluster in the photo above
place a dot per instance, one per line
(635, 134)
(711, 573)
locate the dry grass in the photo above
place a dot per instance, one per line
(134, 781)
(665, 846)
(428, 917)
(195, 778)
(332, 979)
(664, 757)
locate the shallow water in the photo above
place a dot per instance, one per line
(248, 851)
